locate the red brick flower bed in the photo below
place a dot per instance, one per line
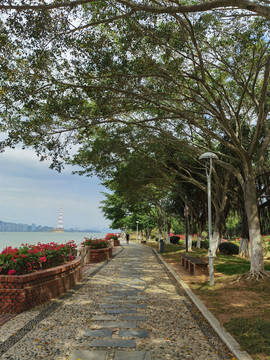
(22, 292)
(116, 242)
(97, 255)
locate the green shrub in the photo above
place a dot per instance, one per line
(204, 234)
(204, 244)
(229, 248)
(174, 239)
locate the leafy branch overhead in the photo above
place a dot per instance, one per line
(176, 7)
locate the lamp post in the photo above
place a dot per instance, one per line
(147, 228)
(137, 222)
(209, 156)
(186, 212)
(164, 226)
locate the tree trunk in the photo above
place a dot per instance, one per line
(199, 238)
(244, 248)
(216, 233)
(169, 224)
(215, 240)
(256, 251)
(190, 242)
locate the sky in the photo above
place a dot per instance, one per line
(30, 193)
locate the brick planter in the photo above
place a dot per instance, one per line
(116, 242)
(23, 292)
(97, 255)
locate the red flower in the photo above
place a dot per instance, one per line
(42, 259)
(12, 272)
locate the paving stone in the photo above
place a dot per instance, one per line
(104, 306)
(87, 355)
(136, 306)
(134, 333)
(98, 333)
(118, 324)
(113, 298)
(139, 297)
(132, 355)
(113, 343)
(121, 311)
(103, 317)
(127, 293)
(135, 317)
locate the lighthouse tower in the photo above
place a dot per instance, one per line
(60, 222)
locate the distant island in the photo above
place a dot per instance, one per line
(13, 227)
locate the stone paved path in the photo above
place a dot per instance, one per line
(128, 308)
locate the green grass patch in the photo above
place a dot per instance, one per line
(231, 265)
(234, 265)
(252, 334)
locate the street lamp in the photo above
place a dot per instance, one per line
(147, 228)
(186, 212)
(209, 156)
(137, 222)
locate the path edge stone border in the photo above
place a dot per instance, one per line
(226, 337)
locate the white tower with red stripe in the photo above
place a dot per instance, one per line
(60, 221)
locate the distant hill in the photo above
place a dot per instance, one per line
(82, 231)
(8, 226)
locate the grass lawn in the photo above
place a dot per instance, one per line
(242, 307)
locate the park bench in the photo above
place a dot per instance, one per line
(194, 265)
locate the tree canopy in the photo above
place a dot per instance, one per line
(129, 83)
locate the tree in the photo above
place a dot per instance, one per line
(193, 78)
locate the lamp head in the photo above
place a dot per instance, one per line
(208, 155)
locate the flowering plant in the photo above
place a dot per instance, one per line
(111, 236)
(96, 243)
(265, 245)
(28, 258)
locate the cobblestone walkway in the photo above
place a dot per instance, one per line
(128, 308)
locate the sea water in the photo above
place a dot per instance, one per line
(15, 239)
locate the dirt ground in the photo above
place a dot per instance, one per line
(228, 298)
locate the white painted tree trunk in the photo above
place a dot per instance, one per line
(256, 251)
(190, 242)
(244, 248)
(168, 238)
(199, 238)
(215, 242)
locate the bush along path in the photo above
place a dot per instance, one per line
(130, 308)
